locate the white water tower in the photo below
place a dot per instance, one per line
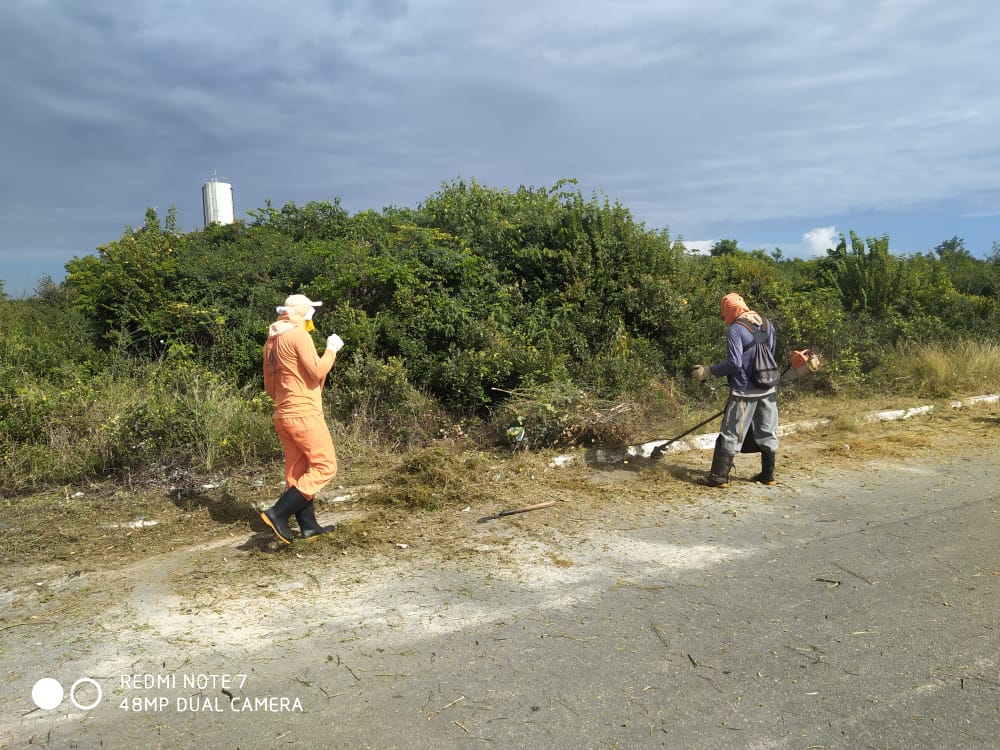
(217, 202)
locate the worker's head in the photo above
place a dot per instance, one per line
(731, 307)
(298, 308)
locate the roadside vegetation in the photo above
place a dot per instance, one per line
(482, 318)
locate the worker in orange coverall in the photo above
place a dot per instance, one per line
(293, 376)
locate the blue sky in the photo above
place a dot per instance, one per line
(778, 124)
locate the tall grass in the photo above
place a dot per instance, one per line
(155, 418)
(944, 369)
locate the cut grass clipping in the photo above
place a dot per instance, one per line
(432, 479)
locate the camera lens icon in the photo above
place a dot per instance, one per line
(48, 693)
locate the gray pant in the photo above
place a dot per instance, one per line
(741, 413)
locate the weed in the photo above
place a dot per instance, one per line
(942, 369)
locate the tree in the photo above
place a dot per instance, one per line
(724, 247)
(315, 220)
(969, 275)
(866, 274)
(126, 288)
(170, 225)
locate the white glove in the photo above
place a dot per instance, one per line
(333, 341)
(701, 373)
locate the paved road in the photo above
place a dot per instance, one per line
(857, 611)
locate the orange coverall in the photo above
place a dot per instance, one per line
(294, 374)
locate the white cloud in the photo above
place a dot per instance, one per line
(817, 241)
(701, 247)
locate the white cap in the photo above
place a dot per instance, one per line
(295, 302)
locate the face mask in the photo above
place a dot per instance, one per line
(308, 324)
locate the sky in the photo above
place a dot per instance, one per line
(780, 124)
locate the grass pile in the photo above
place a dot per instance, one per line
(432, 478)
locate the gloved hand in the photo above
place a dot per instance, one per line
(701, 373)
(333, 341)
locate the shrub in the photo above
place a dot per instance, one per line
(377, 399)
(561, 415)
(159, 416)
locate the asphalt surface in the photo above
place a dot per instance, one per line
(857, 610)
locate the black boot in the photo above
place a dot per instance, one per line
(308, 524)
(722, 464)
(766, 475)
(277, 515)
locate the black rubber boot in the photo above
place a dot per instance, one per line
(308, 524)
(278, 514)
(722, 464)
(766, 475)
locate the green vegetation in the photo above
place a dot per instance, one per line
(471, 316)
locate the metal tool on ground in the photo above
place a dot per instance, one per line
(515, 511)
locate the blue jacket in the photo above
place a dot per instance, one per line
(739, 361)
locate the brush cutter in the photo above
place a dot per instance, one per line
(803, 362)
(658, 450)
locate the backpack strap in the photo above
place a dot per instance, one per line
(754, 329)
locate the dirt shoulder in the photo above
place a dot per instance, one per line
(59, 548)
